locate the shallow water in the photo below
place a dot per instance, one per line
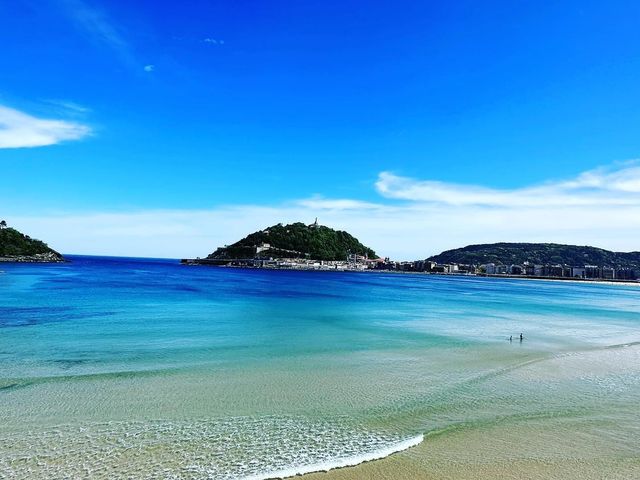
(112, 368)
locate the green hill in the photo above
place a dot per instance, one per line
(15, 246)
(295, 240)
(537, 253)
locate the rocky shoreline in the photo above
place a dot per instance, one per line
(48, 257)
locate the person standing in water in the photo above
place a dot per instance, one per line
(521, 337)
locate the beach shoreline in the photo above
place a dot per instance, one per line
(342, 463)
(435, 459)
(240, 374)
(537, 447)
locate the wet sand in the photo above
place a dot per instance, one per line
(592, 431)
(502, 452)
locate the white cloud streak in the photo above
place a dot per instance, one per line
(66, 107)
(19, 130)
(611, 186)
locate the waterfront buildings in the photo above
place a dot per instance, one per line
(354, 262)
(527, 269)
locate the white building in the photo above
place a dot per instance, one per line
(262, 247)
(490, 268)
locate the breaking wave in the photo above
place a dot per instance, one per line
(248, 448)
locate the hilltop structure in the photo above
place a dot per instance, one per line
(296, 245)
(18, 247)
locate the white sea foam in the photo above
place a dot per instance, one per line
(247, 448)
(341, 462)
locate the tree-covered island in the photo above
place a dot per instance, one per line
(18, 247)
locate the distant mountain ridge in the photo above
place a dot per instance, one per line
(313, 241)
(537, 253)
(16, 246)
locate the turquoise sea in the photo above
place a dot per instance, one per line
(138, 368)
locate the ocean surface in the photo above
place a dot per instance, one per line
(138, 368)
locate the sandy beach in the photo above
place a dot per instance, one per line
(430, 462)
(576, 443)
(501, 452)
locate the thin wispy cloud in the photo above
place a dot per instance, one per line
(149, 68)
(21, 130)
(623, 178)
(414, 228)
(94, 21)
(619, 185)
(68, 107)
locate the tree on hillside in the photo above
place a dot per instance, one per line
(3, 224)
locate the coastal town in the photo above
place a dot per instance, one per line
(354, 262)
(527, 269)
(17, 247)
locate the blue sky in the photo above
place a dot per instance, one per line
(378, 117)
